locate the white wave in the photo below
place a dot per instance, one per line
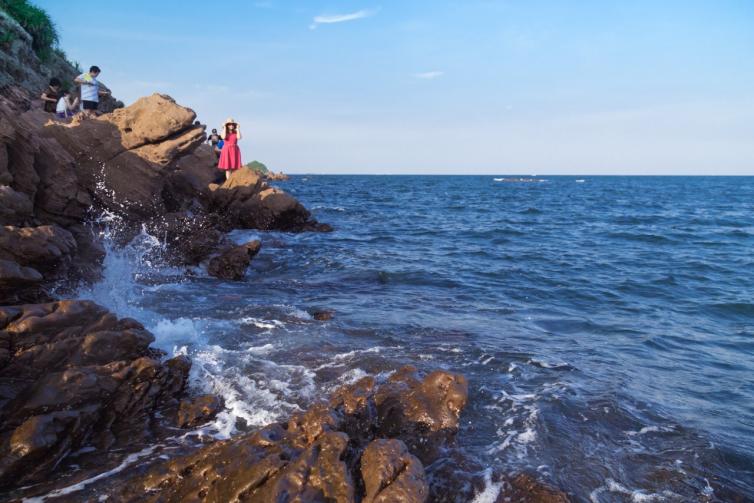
(491, 489)
(651, 429)
(128, 461)
(262, 323)
(636, 495)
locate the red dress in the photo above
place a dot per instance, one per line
(230, 155)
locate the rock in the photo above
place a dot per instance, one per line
(391, 473)
(524, 488)
(198, 410)
(191, 238)
(323, 315)
(47, 248)
(15, 207)
(279, 177)
(322, 454)
(232, 263)
(71, 372)
(245, 201)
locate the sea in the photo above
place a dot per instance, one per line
(605, 324)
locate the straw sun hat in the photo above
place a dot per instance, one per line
(229, 120)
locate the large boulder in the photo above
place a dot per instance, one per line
(246, 201)
(72, 373)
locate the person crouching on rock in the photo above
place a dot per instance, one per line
(90, 90)
(51, 95)
(230, 155)
(66, 107)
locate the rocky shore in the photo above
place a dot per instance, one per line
(87, 404)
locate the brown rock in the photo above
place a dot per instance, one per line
(45, 247)
(323, 315)
(524, 488)
(392, 474)
(198, 410)
(232, 263)
(72, 372)
(323, 454)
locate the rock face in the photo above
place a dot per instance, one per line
(245, 201)
(144, 164)
(72, 373)
(367, 444)
(232, 263)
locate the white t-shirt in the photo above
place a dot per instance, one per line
(62, 105)
(90, 90)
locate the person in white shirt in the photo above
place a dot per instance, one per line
(66, 106)
(90, 90)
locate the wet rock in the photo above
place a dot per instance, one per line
(524, 488)
(391, 473)
(335, 451)
(71, 372)
(322, 314)
(232, 263)
(198, 410)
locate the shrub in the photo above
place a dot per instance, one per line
(258, 167)
(36, 22)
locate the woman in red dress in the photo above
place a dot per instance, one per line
(230, 156)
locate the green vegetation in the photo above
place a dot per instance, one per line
(258, 167)
(36, 22)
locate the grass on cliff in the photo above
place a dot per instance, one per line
(258, 167)
(36, 22)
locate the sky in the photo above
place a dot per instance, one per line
(443, 87)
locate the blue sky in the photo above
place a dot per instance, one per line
(458, 86)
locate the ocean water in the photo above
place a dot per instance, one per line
(605, 324)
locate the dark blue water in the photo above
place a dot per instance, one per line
(606, 326)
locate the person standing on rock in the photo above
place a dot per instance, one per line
(230, 155)
(90, 90)
(51, 95)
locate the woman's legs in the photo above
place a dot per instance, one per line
(227, 174)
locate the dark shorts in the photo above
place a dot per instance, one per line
(89, 105)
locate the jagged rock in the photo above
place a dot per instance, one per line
(245, 201)
(198, 410)
(320, 454)
(391, 473)
(232, 263)
(46, 248)
(15, 207)
(71, 372)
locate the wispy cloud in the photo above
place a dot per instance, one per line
(341, 18)
(429, 75)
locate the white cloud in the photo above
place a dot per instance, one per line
(341, 18)
(429, 75)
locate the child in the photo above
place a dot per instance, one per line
(51, 94)
(66, 107)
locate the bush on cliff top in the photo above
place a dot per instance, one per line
(36, 22)
(258, 167)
